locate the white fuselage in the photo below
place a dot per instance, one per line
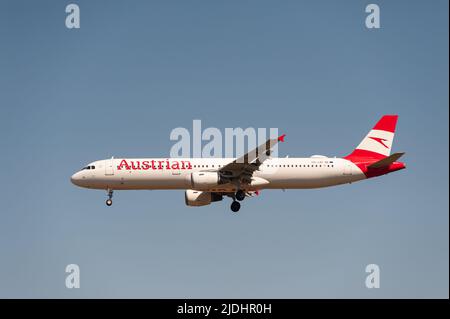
(164, 173)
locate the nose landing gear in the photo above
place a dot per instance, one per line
(110, 195)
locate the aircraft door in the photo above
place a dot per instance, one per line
(109, 166)
(348, 168)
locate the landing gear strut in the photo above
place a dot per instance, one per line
(235, 206)
(110, 195)
(240, 195)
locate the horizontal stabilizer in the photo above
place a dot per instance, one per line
(386, 161)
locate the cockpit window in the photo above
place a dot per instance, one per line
(92, 167)
(88, 167)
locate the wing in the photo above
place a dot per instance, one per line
(242, 168)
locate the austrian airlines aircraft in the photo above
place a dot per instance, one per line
(207, 180)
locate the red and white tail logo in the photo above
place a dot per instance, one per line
(378, 142)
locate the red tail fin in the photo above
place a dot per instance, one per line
(377, 144)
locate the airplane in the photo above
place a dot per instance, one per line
(207, 180)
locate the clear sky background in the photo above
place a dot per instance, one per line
(137, 69)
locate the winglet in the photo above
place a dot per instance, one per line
(281, 138)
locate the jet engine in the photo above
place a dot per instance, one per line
(205, 180)
(199, 198)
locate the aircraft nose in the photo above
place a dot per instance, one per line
(76, 178)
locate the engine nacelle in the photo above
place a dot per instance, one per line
(204, 180)
(199, 198)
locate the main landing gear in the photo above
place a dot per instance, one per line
(235, 206)
(238, 197)
(110, 195)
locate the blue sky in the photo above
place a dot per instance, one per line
(136, 70)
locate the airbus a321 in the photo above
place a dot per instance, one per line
(207, 180)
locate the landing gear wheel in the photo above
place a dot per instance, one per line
(240, 195)
(110, 195)
(235, 206)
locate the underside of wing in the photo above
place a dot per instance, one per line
(242, 168)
